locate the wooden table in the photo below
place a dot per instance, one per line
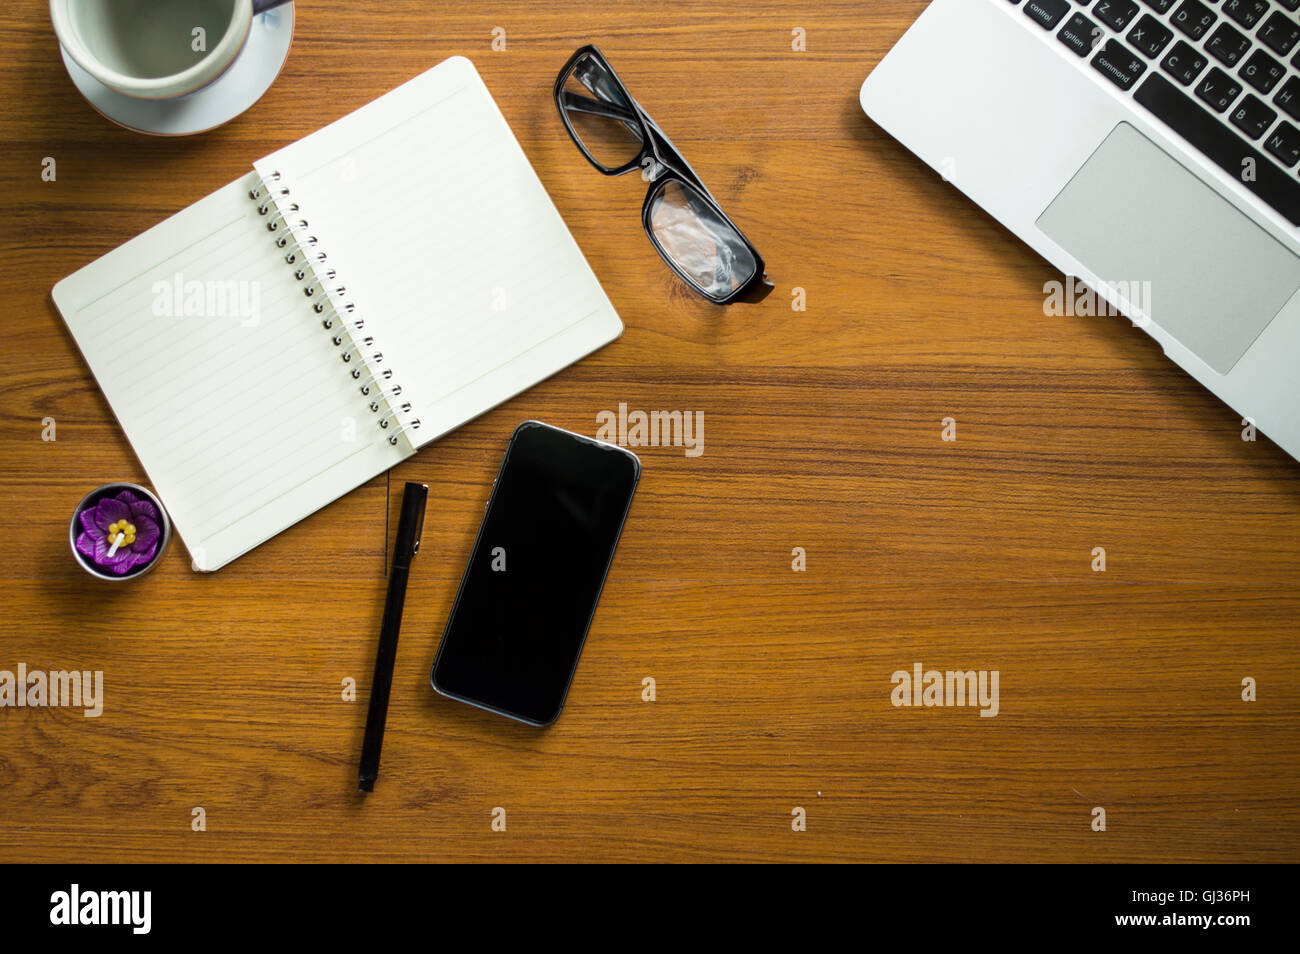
(1119, 689)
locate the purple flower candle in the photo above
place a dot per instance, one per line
(119, 530)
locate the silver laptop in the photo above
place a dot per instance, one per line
(1151, 149)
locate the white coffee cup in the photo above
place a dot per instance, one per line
(153, 49)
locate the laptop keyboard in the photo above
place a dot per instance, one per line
(1223, 74)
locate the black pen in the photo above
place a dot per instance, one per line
(406, 546)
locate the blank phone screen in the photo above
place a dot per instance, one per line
(536, 572)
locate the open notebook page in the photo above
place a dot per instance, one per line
(448, 245)
(229, 390)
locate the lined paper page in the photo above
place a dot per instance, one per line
(229, 390)
(448, 245)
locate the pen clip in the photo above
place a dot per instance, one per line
(422, 493)
(410, 525)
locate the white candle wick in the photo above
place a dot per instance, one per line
(117, 542)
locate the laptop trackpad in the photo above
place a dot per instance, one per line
(1205, 273)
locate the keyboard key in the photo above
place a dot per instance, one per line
(1288, 97)
(1118, 65)
(1290, 4)
(1279, 33)
(1184, 63)
(1227, 45)
(1221, 145)
(1218, 90)
(1080, 34)
(1245, 12)
(1116, 14)
(1262, 71)
(1284, 144)
(1160, 6)
(1193, 18)
(1252, 117)
(1047, 13)
(1150, 36)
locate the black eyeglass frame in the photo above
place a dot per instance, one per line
(668, 166)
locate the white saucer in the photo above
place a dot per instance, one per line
(242, 85)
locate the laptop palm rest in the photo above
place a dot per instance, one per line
(1200, 269)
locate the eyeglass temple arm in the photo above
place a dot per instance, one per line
(597, 107)
(678, 162)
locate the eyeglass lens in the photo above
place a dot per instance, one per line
(599, 113)
(703, 245)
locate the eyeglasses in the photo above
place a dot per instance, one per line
(684, 222)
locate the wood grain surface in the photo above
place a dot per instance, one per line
(1119, 689)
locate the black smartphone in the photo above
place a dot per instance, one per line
(528, 596)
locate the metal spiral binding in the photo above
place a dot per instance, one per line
(329, 300)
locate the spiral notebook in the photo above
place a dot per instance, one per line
(360, 293)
